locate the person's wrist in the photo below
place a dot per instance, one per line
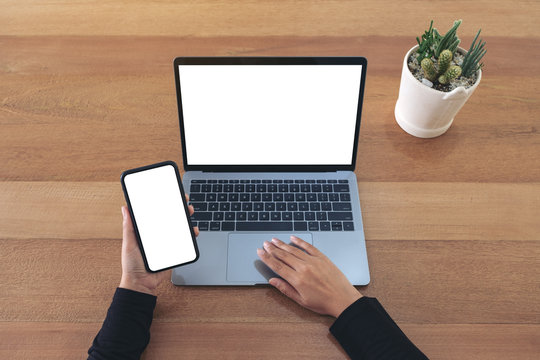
(345, 301)
(132, 284)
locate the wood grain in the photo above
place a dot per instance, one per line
(391, 210)
(53, 106)
(417, 281)
(265, 341)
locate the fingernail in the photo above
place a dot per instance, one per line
(266, 244)
(275, 241)
(260, 251)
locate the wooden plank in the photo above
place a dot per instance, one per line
(391, 211)
(109, 103)
(290, 17)
(267, 341)
(417, 282)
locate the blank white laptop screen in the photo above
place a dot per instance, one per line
(269, 114)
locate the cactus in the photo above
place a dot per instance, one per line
(453, 72)
(444, 72)
(436, 53)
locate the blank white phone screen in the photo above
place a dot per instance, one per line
(159, 212)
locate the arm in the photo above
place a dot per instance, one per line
(363, 327)
(126, 330)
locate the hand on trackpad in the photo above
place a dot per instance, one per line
(244, 265)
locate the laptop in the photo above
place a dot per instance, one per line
(269, 150)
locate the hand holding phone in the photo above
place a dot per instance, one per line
(160, 216)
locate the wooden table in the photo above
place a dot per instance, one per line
(452, 223)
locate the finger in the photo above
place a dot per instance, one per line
(291, 249)
(191, 209)
(278, 266)
(128, 233)
(187, 197)
(196, 230)
(286, 289)
(289, 259)
(310, 249)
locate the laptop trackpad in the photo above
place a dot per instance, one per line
(243, 263)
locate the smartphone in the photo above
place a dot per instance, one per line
(157, 205)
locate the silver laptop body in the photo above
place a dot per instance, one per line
(269, 150)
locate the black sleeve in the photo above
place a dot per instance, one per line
(126, 329)
(366, 331)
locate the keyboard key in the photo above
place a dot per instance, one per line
(217, 188)
(203, 225)
(324, 226)
(229, 215)
(234, 181)
(310, 181)
(258, 206)
(195, 188)
(240, 188)
(218, 215)
(321, 181)
(281, 206)
(316, 188)
(253, 215)
(288, 197)
(315, 207)
(206, 188)
(321, 215)
(222, 197)
(286, 215)
(272, 188)
(298, 215)
(196, 197)
(340, 188)
(233, 197)
(198, 181)
(342, 206)
(250, 188)
(288, 181)
(311, 197)
(267, 197)
(348, 226)
(326, 206)
(277, 197)
(343, 181)
(201, 215)
(223, 181)
(294, 188)
(227, 226)
(336, 226)
(275, 216)
(267, 181)
(313, 226)
(198, 206)
(327, 188)
(305, 188)
(265, 226)
(298, 181)
(309, 215)
(212, 181)
(334, 197)
(236, 206)
(255, 181)
(340, 215)
(211, 197)
(241, 216)
(300, 226)
(247, 206)
(228, 188)
(344, 197)
(255, 197)
(224, 206)
(244, 181)
(292, 206)
(303, 206)
(300, 197)
(213, 206)
(269, 206)
(283, 188)
(214, 226)
(322, 197)
(261, 188)
(332, 181)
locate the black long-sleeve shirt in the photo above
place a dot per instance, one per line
(364, 329)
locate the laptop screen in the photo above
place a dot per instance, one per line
(269, 114)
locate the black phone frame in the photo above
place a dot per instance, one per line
(136, 229)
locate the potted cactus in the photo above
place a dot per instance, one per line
(438, 77)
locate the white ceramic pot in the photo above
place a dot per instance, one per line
(425, 112)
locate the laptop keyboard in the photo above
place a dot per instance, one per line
(271, 205)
